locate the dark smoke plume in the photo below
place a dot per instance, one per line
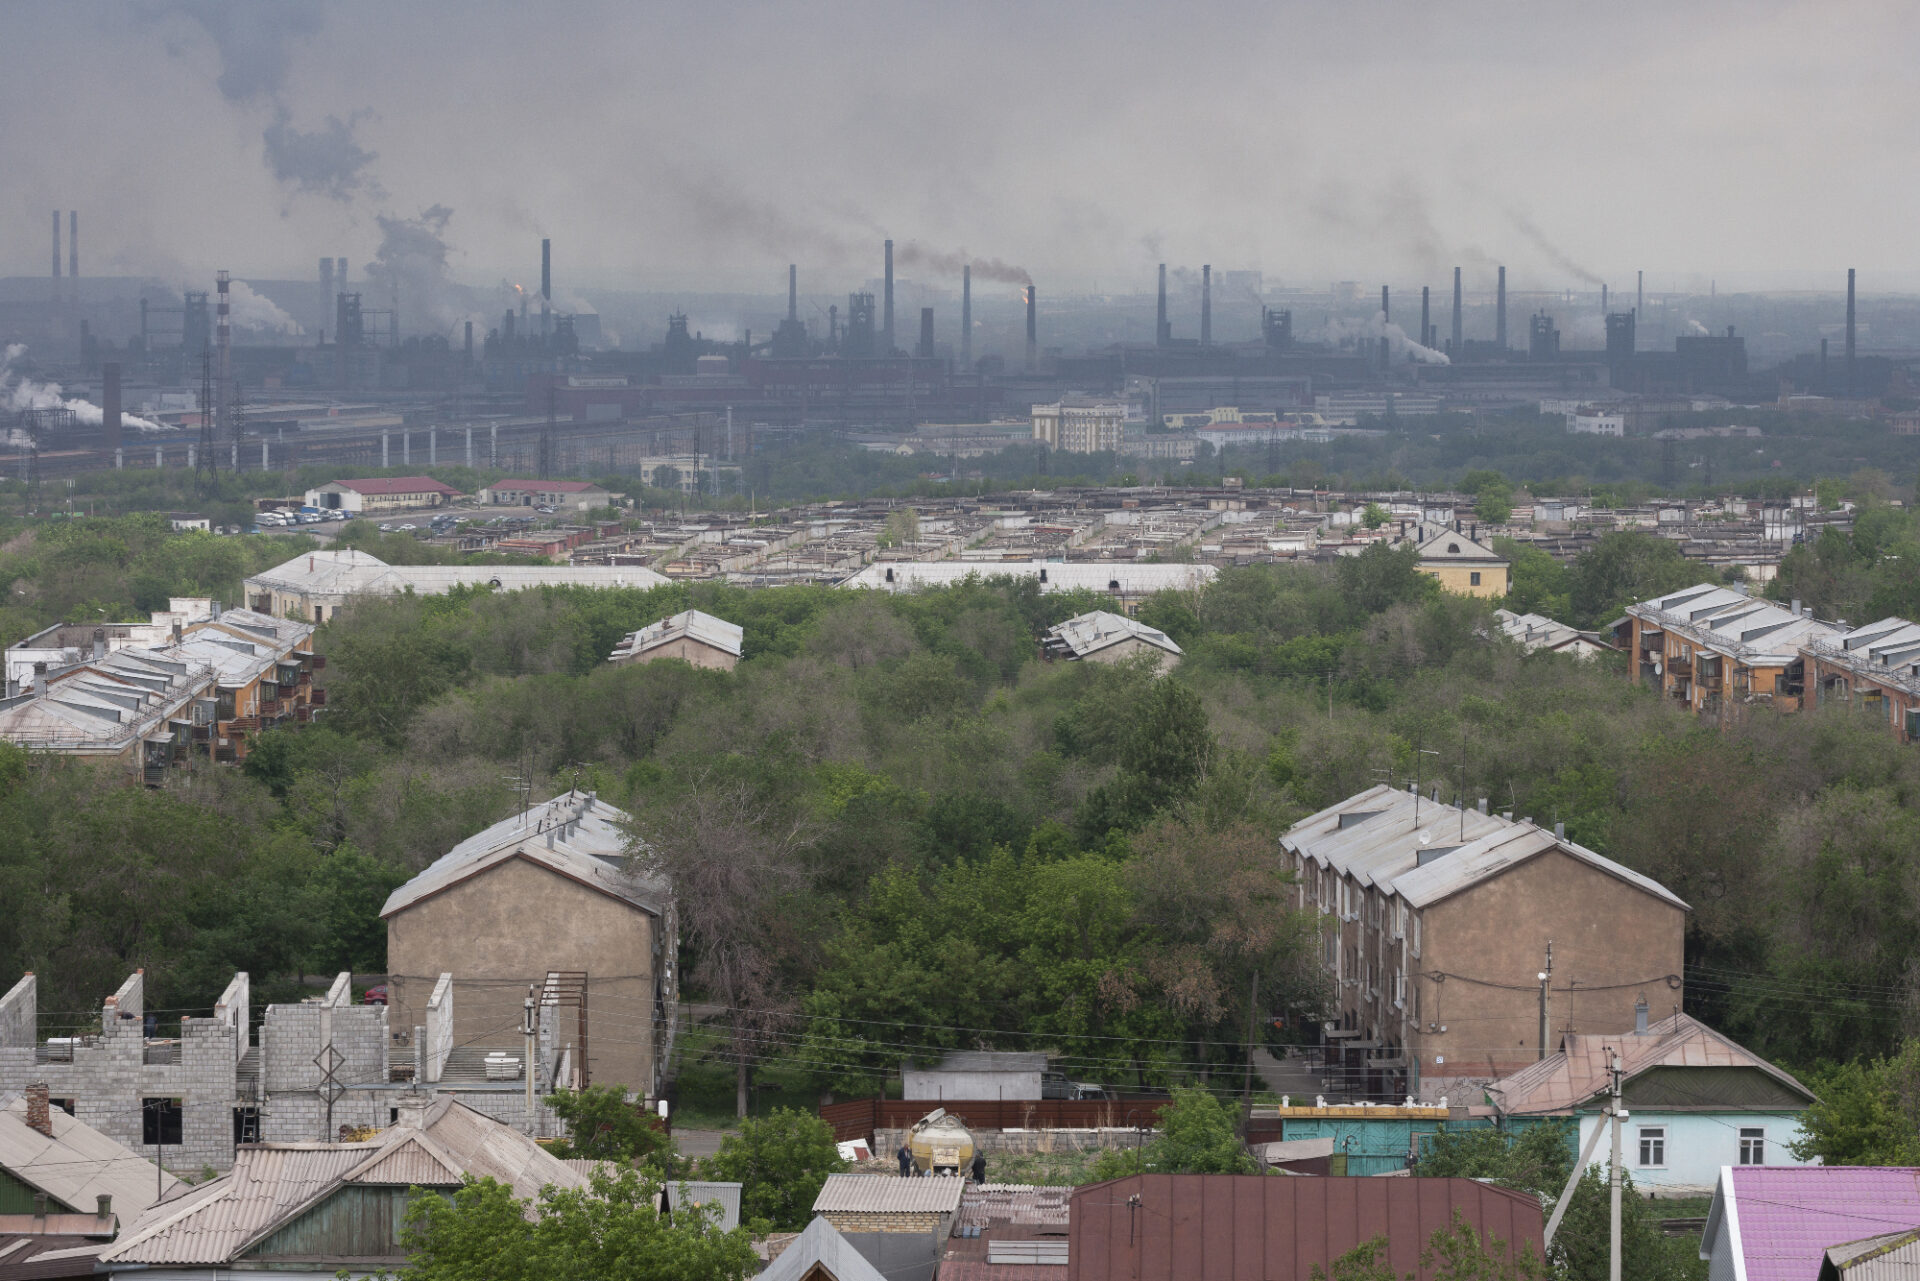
(256, 43)
(915, 254)
(1559, 257)
(325, 161)
(413, 255)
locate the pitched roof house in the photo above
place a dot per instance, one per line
(1105, 637)
(1696, 1100)
(697, 638)
(1782, 1224)
(46, 1152)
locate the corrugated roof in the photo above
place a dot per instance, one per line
(1380, 845)
(1781, 1220)
(1563, 1081)
(353, 573)
(821, 1245)
(547, 486)
(78, 1164)
(44, 1257)
(690, 1192)
(1728, 621)
(888, 1194)
(1891, 1256)
(689, 624)
(411, 1162)
(589, 845)
(271, 1184)
(1092, 632)
(1135, 579)
(376, 486)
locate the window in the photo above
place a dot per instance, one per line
(1653, 1145)
(1453, 549)
(65, 1105)
(246, 1125)
(1753, 1145)
(160, 1122)
(1474, 578)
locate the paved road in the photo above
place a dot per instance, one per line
(698, 1142)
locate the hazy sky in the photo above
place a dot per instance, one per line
(681, 144)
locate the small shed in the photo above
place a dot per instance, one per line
(976, 1075)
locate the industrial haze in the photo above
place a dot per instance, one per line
(696, 147)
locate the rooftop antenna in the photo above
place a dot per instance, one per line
(1418, 752)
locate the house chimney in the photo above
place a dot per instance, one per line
(103, 1206)
(40, 1203)
(40, 681)
(99, 643)
(1559, 831)
(1640, 1017)
(39, 1117)
(1796, 607)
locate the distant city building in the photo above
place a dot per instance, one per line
(1080, 429)
(319, 584)
(565, 495)
(691, 636)
(1103, 637)
(1461, 564)
(359, 497)
(1593, 422)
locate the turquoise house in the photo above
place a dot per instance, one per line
(1695, 1102)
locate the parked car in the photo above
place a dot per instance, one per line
(386, 529)
(375, 995)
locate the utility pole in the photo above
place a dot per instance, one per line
(527, 1027)
(1546, 976)
(1619, 1114)
(1253, 1001)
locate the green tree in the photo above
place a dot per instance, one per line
(1365, 1262)
(1866, 1113)
(602, 1125)
(1460, 1253)
(781, 1162)
(1624, 567)
(1382, 576)
(1537, 583)
(1198, 1135)
(1374, 516)
(609, 1232)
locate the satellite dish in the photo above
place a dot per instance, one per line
(1656, 669)
(1426, 838)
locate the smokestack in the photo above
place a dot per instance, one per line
(886, 323)
(1386, 310)
(1850, 383)
(793, 293)
(1161, 335)
(1033, 334)
(223, 347)
(469, 344)
(966, 316)
(110, 402)
(1823, 362)
(326, 294)
(1639, 293)
(1458, 350)
(1426, 331)
(56, 244)
(340, 272)
(1500, 313)
(925, 349)
(73, 243)
(1206, 305)
(546, 271)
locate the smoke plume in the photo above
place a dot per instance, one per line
(1372, 330)
(23, 393)
(413, 255)
(257, 311)
(256, 43)
(915, 254)
(1524, 225)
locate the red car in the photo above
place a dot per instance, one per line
(375, 996)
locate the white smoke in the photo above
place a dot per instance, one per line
(258, 312)
(1694, 326)
(22, 393)
(1373, 329)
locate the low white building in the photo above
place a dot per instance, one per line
(1597, 422)
(316, 585)
(1102, 637)
(563, 495)
(377, 494)
(1128, 582)
(973, 1075)
(1536, 632)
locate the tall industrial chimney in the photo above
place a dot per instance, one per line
(326, 297)
(1033, 334)
(340, 272)
(1206, 305)
(73, 243)
(1603, 300)
(546, 271)
(1161, 334)
(110, 402)
(886, 321)
(469, 346)
(966, 316)
(1426, 330)
(1386, 310)
(1850, 371)
(1457, 350)
(925, 348)
(223, 354)
(1500, 314)
(1639, 293)
(793, 293)
(56, 244)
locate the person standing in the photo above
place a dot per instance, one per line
(905, 1157)
(979, 1166)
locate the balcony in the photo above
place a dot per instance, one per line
(319, 698)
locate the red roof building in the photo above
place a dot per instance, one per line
(1229, 1227)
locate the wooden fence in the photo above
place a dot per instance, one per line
(859, 1118)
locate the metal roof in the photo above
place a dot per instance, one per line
(821, 1245)
(1779, 1220)
(577, 836)
(888, 1194)
(1726, 620)
(689, 624)
(1090, 633)
(697, 1192)
(77, 1164)
(1229, 1227)
(1134, 579)
(1381, 845)
(1891, 1256)
(272, 1184)
(1578, 1072)
(346, 572)
(1449, 545)
(376, 486)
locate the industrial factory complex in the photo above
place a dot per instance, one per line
(383, 369)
